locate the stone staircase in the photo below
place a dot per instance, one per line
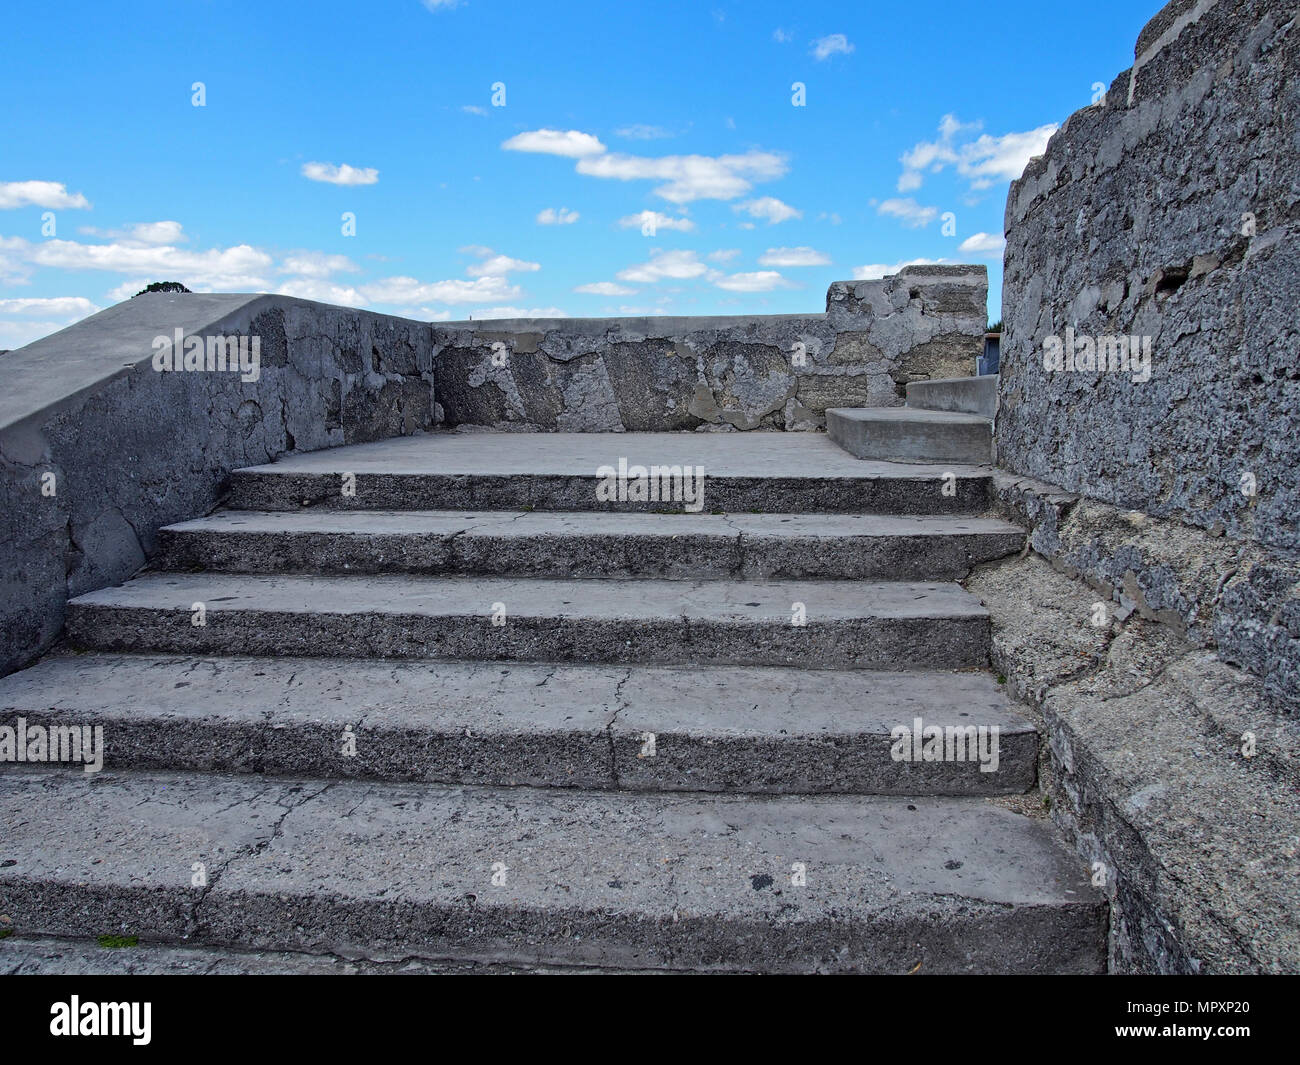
(945, 420)
(431, 698)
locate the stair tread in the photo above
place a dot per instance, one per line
(504, 697)
(909, 415)
(761, 455)
(589, 876)
(528, 524)
(538, 597)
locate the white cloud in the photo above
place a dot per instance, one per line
(473, 109)
(25, 319)
(640, 132)
(690, 177)
(801, 256)
(758, 281)
(832, 44)
(909, 212)
(407, 291)
(552, 216)
(980, 243)
(570, 143)
(875, 271)
(660, 221)
(723, 255)
(143, 233)
(494, 265)
(238, 268)
(441, 5)
(56, 306)
(522, 312)
(675, 265)
(320, 290)
(605, 288)
(316, 264)
(768, 208)
(992, 159)
(340, 175)
(52, 194)
(982, 161)
(782, 36)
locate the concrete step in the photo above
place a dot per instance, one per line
(848, 624)
(525, 876)
(969, 395)
(714, 728)
(772, 472)
(602, 544)
(904, 434)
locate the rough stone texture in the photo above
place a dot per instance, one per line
(1216, 592)
(768, 472)
(731, 373)
(596, 878)
(716, 728)
(1200, 846)
(132, 449)
(1131, 223)
(560, 544)
(849, 624)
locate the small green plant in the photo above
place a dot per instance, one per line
(5, 933)
(1001, 679)
(116, 942)
(162, 286)
(1047, 802)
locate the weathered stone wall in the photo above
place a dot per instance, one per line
(1170, 211)
(753, 372)
(98, 450)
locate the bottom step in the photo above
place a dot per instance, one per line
(519, 876)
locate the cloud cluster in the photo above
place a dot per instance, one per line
(982, 160)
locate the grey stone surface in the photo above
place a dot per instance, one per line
(623, 880)
(56, 956)
(1198, 843)
(970, 395)
(128, 449)
(770, 472)
(1216, 591)
(715, 728)
(848, 624)
(729, 373)
(1171, 211)
(600, 544)
(907, 434)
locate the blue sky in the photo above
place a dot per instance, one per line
(649, 157)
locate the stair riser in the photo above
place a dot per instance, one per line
(985, 938)
(596, 758)
(966, 395)
(682, 556)
(901, 442)
(922, 494)
(860, 643)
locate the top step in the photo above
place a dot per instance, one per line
(961, 395)
(767, 472)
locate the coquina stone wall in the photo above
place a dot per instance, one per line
(98, 449)
(732, 373)
(1168, 214)
(1155, 629)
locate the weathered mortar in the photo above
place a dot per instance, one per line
(656, 374)
(132, 449)
(1170, 211)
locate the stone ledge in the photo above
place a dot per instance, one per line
(1215, 591)
(1144, 772)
